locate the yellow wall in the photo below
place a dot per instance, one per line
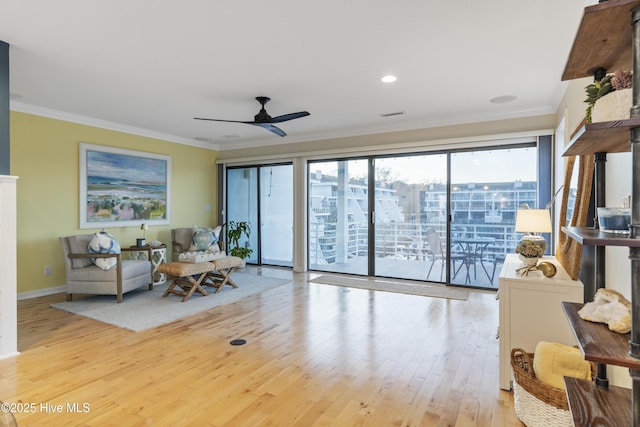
(44, 155)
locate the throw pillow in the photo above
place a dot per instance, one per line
(205, 239)
(104, 243)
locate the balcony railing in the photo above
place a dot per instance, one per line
(402, 240)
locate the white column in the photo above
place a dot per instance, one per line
(299, 215)
(8, 267)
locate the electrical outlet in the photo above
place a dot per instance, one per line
(47, 270)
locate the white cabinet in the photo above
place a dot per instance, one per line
(531, 311)
(8, 266)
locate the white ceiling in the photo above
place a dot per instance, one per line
(151, 66)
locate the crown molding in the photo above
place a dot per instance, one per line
(103, 124)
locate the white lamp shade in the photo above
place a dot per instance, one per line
(144, 227)
(533, 221)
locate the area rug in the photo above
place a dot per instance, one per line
(386, 286)
(143, 309)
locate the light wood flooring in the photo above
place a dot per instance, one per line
(316, 355)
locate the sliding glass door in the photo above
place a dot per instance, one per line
(439, 217)
(263, 196)
(242, 204)
(276, 215)
(338, 216)
(487, 188)
(411, 217)
(407, 220)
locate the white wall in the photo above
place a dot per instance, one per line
(618, 268)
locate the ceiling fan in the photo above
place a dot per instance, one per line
(263, 119)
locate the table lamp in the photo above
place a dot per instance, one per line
(533, 221)
(144, 227)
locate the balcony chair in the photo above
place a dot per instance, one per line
(436, 253)
(497, 259)
(83, 277)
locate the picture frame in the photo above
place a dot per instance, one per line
(123, 188)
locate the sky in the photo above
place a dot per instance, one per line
(500, 165)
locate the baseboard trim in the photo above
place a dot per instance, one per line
(7, 355)
(41, 292)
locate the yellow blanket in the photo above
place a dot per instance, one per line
(552, 361)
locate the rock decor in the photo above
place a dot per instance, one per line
(609, 307)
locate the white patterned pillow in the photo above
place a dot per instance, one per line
(205, 239)
(104, 243)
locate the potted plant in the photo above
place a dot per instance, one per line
(600, 87)
(529, 251)
(235, 231)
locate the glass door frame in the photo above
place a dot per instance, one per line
(223, 218)
(308, 201)
(544, 182)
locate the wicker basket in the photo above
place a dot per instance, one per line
(536, 403)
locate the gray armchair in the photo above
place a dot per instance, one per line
(85, 278)
(181, 241)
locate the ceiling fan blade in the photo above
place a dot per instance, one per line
(270, 128)
(267, 126)
(290, 116)
(263, 119)
(220, 120)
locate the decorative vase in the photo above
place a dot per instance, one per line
(528, 261)
(615, 105)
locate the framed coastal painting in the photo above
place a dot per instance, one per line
(123, 188)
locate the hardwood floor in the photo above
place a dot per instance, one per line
(316, 355)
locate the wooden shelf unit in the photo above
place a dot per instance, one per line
(594, 237)
(603, 137)
(606, 39)
(597, 342)
(589, 404)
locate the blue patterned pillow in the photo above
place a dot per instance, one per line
(205, 239)
(104, 243)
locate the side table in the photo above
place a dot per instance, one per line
(158, 256)
(530, 310)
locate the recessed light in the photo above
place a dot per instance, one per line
(203, 139)
(503, 99)
(389, 79)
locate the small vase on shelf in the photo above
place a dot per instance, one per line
(530, 264)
